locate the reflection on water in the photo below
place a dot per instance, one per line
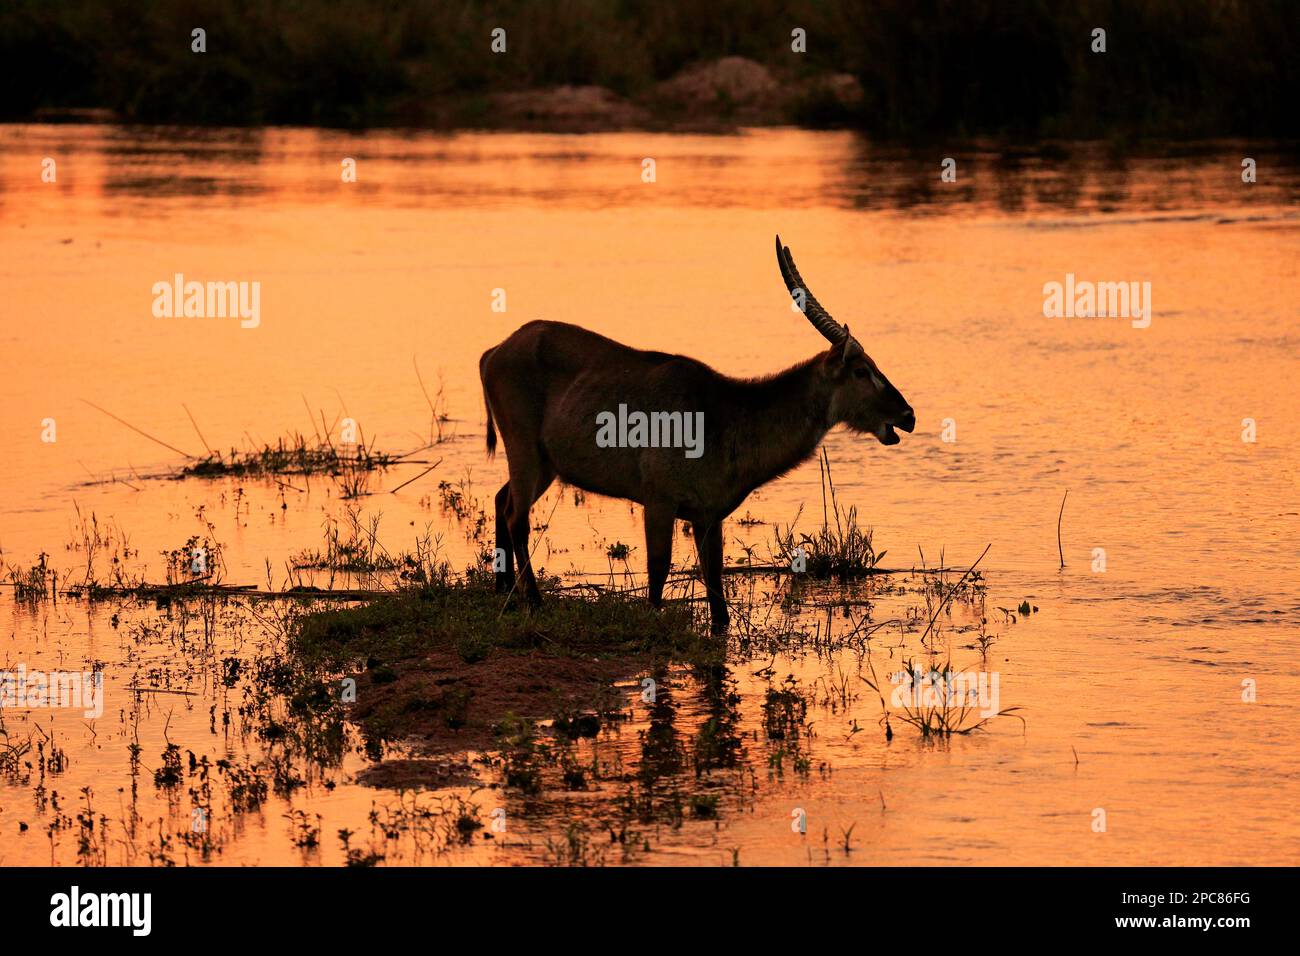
(756, 169)
(1136, 661)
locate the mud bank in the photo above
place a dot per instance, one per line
(447, 668)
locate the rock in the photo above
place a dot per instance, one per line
(733, 87)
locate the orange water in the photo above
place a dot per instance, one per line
(1138, 669)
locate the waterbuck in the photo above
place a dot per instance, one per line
(554, 390)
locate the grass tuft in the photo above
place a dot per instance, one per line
(838, 550)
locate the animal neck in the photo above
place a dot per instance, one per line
(784, 418)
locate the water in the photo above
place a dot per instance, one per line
(1130, 679)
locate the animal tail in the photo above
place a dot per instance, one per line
(491, 430)
(491, 426)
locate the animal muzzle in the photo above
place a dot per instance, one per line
(885, 432)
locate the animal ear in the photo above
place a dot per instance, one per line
(852, 349)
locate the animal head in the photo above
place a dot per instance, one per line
(860, 394)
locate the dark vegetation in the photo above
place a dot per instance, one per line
(1172, 67)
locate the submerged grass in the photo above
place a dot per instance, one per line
(936, 703)
(32, 584)
(12, 754)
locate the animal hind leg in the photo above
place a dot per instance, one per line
(503, 560)
(528, 482)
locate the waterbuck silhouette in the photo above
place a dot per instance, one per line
(551, 387)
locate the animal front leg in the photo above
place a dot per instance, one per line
(658, 547)
(708, 544)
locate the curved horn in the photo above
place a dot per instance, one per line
(812, 309)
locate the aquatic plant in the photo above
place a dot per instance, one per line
(293, 455)
(944, 713)
(840, 549)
